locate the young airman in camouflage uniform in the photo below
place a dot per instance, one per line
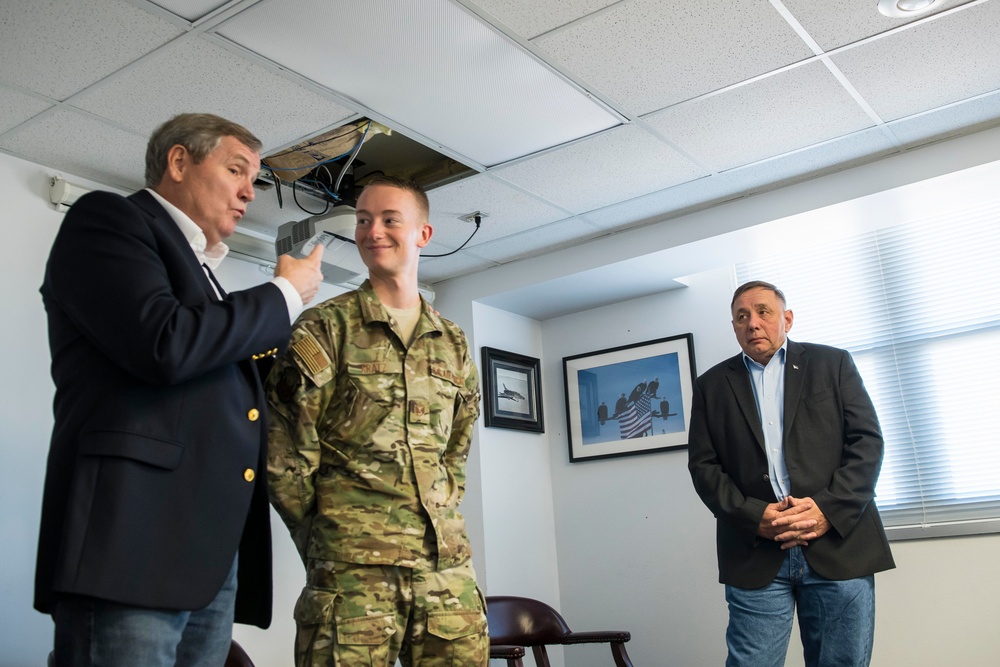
(373, 408)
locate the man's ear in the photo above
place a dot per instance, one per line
(178, 160)
(426, 232)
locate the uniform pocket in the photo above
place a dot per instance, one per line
(364, 641)
(458, 637)
(314, 633)
(455, 624)
(447, 394)
(353, 418)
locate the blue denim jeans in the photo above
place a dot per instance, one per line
(836, 618)
(99, 633)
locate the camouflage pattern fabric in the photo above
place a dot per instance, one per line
(367, 453)
(351, 615)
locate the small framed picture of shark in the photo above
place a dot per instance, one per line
(512, 391)
(634, 399)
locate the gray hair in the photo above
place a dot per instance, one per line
(758, 284)
(199, 133)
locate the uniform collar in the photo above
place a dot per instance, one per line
(372, 310)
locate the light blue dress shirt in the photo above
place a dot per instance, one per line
(769, 391)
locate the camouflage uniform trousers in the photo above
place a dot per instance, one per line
(351, 615)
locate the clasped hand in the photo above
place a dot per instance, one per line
(794, 522)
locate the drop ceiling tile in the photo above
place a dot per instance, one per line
(650, 54)
(190, 10)
(799, 107)
(660, 205)
(541, 240)
(812, 161)
(958, 119)
(55, 61)
(15, 108)
(762, 176)
(930, 65)
(430, 67)
(614, 166)
(834, 23)
(507, 209)
(530, 18)
(461, 263)
(277, 110)
(77, 144)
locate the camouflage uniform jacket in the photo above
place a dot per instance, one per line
(369, 439)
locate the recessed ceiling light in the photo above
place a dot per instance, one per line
(906, 8)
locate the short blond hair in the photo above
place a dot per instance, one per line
(407, 184)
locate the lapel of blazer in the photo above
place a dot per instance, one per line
(796, 361)
(739, 380)
(162, 220)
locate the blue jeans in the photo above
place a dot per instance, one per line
(836, 618)
(99, 633)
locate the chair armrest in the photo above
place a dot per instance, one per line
(608, 636)
(502, 652)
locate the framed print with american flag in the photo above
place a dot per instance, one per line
(634, 399)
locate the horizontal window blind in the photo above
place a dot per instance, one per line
(918, 306)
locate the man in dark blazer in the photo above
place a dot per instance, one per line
(155, 531)
(785, 450)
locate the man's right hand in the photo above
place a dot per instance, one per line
(304, 274)
(793, 523)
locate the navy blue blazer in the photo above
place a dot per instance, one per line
(156, 468)
(833, 449)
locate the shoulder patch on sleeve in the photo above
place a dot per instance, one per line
(313, 357)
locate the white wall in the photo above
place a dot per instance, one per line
(635, 547)
(622, 543)
(30, 224)
(516, 478)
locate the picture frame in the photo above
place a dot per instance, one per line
(512, 391)
(611, 408)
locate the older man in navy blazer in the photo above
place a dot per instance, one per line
(785, 450)
(155, 530)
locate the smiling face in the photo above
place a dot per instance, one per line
(760, 322)
(215, 192)
(391, 229)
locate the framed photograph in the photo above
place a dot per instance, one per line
(633, 399)
(512, 391)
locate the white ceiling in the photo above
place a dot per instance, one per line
(583, 118)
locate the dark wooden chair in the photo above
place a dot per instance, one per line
(237, 656)
(516, 622)
(512, 654)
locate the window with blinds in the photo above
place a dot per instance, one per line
(918, 306)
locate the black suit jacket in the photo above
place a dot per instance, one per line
(833, 450)
(156, 469)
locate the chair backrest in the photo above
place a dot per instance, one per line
(523, 621)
